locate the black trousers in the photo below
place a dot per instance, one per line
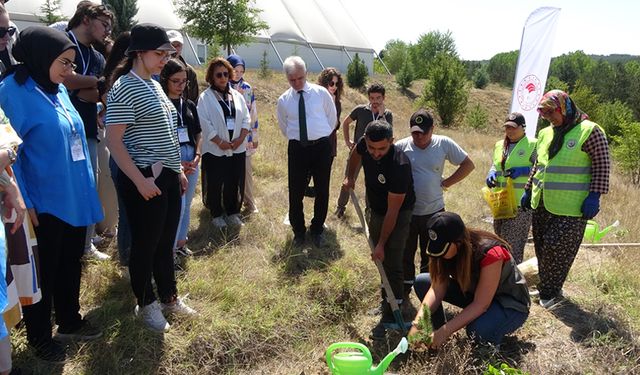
(314, 159)
(223, 183)
(60, 247)
(153, 224)
(417, 236)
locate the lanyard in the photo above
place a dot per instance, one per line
(66, 113)
(376, 117)
(180, 114)
(166, 109)
(85, 65)
(218, 96)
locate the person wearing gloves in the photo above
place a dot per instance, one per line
(570, 173)
(512, 158)
(239, 84)
(474, 270)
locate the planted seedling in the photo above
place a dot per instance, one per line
(425, 329)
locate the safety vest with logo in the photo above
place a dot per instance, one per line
(520, 156)
(566, 178)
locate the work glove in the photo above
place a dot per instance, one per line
(516, 172)
(491, 179)
(525, 200)
(591, 205)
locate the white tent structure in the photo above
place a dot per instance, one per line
(320, 31)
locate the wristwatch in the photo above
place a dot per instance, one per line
(12, 155)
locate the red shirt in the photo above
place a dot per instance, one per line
(496, 253)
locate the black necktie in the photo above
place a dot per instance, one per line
(302, 120)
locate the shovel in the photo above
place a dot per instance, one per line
(391, 298)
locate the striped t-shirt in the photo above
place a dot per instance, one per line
(150, 136)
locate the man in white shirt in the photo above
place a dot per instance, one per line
(306, 116)
(427, 153)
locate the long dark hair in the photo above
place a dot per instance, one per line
(324, 78)
(125, 66)
(117, 55)
(172, 67)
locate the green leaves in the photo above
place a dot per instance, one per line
(425, 329)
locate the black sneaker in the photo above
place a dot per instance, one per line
(85, 331)
(317, 239)
(298, 240)
(51, 351)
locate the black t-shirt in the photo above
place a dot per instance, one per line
(189, 117)
(91, 63)
(391, 174)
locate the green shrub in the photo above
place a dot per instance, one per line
(405, 76)
(264, 71)
(554, 83)
(503, 369)
(357, 73)
(477, 117)
(611, 116)
(627, 150)
(447, 90)
(480, 78)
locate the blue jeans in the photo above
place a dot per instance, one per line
(491, 326)
(124, 233)
(187, 153)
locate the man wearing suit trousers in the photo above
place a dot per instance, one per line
(306, 116)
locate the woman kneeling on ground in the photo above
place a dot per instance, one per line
(472, 269)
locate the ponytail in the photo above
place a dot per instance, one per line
(124, 67)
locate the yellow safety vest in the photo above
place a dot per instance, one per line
(566, 178)
(520, 156)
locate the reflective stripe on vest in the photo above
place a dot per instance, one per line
(520, 156)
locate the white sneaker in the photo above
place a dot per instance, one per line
(219, 222)
(235, 221)
(152, 317)
(94, 253)
(178, 308)
(97, 240)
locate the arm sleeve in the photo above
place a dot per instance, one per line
(455, 153)
(495, 254)
(598, 149)
(282, 116)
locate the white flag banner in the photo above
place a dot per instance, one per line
(533, 64)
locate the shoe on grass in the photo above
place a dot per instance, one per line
(94, 253)
(84, 331)
(51, 351)
(219, 222)
(151, 315)
(184, 251)
(235, 220)
(178, 307)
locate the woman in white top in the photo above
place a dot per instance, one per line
(224, 119)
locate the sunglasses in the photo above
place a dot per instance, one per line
(222, 74)
(333, 83)
(68, 64)
(7, 30)
(179, 81)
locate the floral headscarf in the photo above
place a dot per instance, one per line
(571, 116)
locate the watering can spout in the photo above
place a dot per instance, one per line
(386, 361)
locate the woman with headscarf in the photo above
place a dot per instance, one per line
(56, 180)
(512, 158)
(142, 137)
(570, 173)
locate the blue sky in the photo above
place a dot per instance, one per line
(483, 28)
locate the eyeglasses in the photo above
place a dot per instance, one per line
(222, 74)
(333, 83)
(105, 24)
(164, 55)
(7, 30)
(68, 64)
(179, 82)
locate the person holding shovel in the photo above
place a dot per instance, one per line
(389, 189)
(472, 269)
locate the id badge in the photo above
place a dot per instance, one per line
(183, 135)
(77, 151)
(231, 123)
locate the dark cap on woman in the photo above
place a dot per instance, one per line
(149, 37)
(443, 228)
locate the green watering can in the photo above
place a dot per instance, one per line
(592, 232)
(359, 362)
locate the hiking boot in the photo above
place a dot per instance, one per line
(178, 307)
(151, 315)
(94, 253)
(219, 222)
(51, 351)
(84, 331)
(235, 220)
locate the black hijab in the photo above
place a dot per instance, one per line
(36, 49)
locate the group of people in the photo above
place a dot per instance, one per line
(161, 134)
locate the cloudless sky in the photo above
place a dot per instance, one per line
(482, 28)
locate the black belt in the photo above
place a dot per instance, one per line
(312, 142)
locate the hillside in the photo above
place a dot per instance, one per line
(266, 308)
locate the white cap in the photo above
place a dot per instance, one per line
(175, 36)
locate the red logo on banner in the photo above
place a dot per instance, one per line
(529, 92)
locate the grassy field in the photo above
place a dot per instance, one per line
(266, 308)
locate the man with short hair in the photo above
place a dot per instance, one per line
(306, 116)
(428, 153)
(90, 24)
(389, 189)
(192, 91)
(362, 115)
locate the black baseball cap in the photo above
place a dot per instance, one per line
(443, 228)
(421, 121)
(149, 37)
(515, 119)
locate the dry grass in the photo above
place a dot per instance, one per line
(267, 309)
